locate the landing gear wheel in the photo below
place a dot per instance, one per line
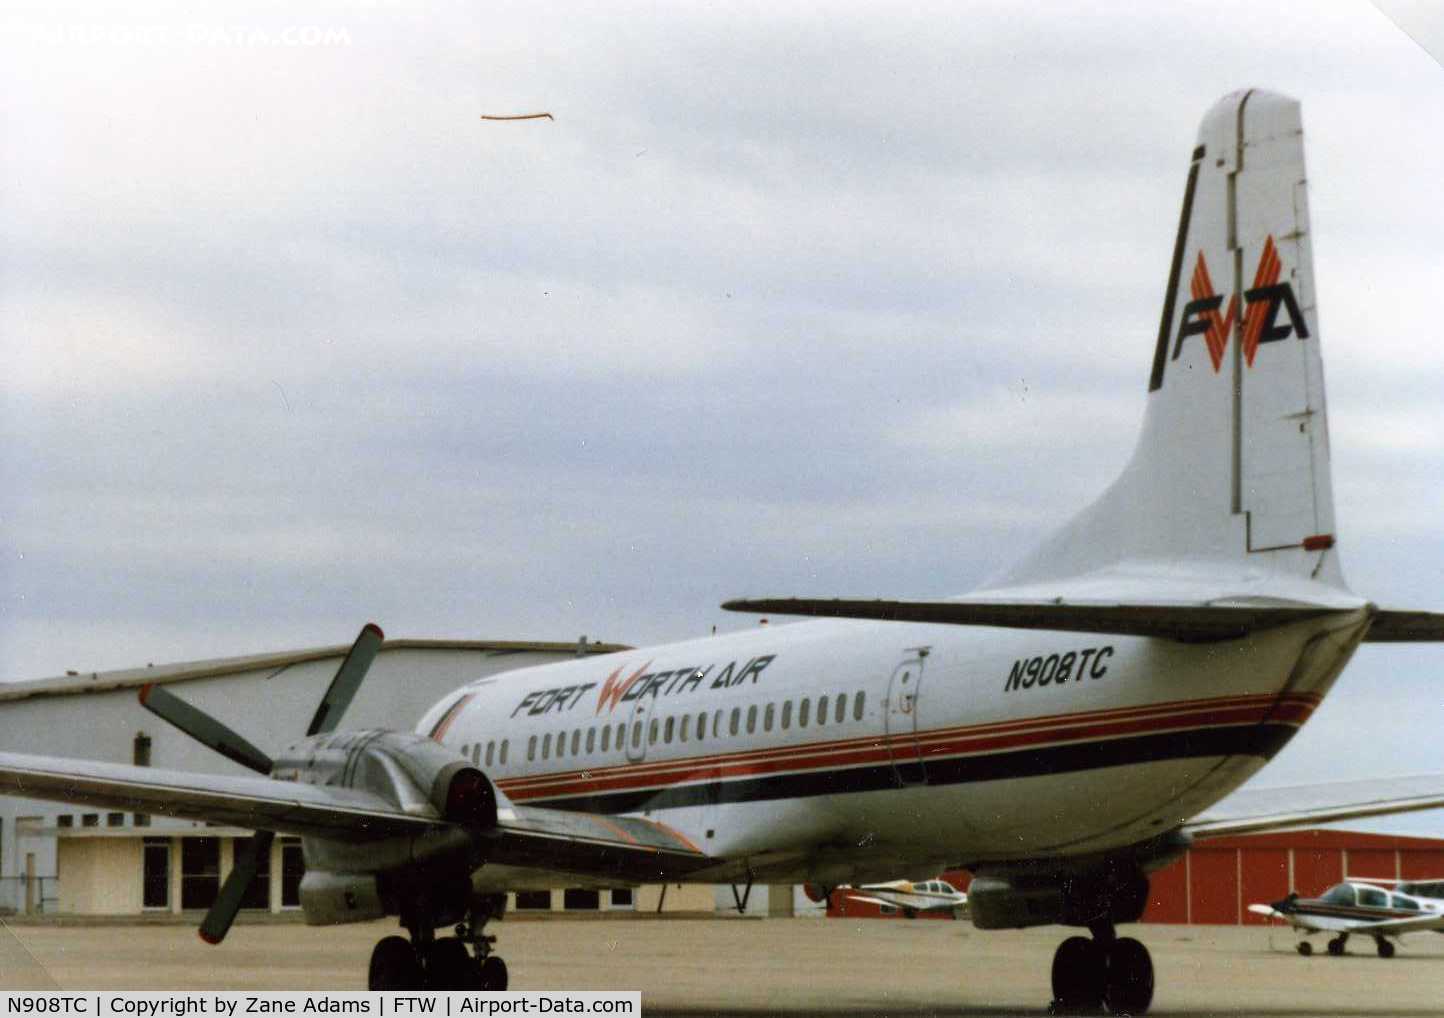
(1336, 947)
(492, 976)
(449, 966)
(394, 966)
(1129, 984)
(910, 913)
(1079, 973)
(1305, 948)
(1386, 949)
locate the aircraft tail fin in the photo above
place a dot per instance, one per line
(1232, 465)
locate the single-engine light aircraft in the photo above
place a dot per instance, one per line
(1357, 906)
(912, 897)
(1061, 733)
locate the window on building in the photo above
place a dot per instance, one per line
(786, 714)
(857, 704)
(63, 820)
(155, 874)
(622, 897)
(200, 872)
(140, 750)
(534, 900)
(141, 820)
(803, 710)
(90, 820)
(767, 716)
(581, 899)
(115, 820)
(293, 868)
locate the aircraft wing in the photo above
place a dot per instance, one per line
(614, 847)
(1252, 810)
(1394, 927)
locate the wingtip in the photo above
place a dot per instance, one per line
(144, 693)
(372, 627)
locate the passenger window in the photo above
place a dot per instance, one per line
(652, 733)
(490, 749)
(841, 708)
(667, 736)
(701, 726)
(504, 744)
(682, 728)
(1406, 904)
(1373, 897)
(576, 741)
(767, 714)
(561, 745)
(476, 753)
(804, 709)
(736, 720)
(591, 740)
(822, 710)
(717, 725)
(547, 746)
(752, 719)
(857, 706)
(622, 735)
(786, 714)
(606, 738)
(531, 748)
(636, 734)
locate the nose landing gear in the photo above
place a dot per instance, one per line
(1105, 971)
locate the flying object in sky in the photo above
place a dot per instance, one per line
(1062, 733)
(1359, 907)
(912, 897)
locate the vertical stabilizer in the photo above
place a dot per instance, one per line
(1232, 465)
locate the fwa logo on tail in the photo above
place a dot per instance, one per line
(1260, 320)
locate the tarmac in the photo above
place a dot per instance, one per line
(728, 967)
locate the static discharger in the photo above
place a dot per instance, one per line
(518, 116)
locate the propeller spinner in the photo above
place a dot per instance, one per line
(219, 737)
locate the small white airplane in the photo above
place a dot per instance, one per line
(1358, 906)
(1061, 733)
(912, 897)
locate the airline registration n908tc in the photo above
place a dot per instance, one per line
(1062, 732)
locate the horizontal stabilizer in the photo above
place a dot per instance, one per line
(1254, 810)
(1406, 627)
(1193, 623)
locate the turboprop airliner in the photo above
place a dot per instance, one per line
(1062, 732)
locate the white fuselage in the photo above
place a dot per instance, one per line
(843, 749)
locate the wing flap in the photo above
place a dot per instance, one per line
(629, 849)
(1254, 810)
(1189, 622)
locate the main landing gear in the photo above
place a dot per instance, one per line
(1106, 971)
(427, 962)
(1336, 946)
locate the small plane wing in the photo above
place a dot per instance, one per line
(1193, 622)
(1394, 927)
(1252, 810)
(626, 848)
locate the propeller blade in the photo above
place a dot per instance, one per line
(348, 679)
(223, 910)
(203, 728)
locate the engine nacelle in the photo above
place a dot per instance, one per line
(1007, 901)
(330, 898)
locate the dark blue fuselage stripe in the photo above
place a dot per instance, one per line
(1251, 740)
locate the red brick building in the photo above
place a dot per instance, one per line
(1216, 881)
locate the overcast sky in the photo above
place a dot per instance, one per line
(834, 299)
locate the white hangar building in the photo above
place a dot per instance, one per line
(72, 859)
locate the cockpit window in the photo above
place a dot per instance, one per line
(1339, 894)
(1373, 897)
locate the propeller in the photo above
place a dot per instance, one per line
(1286, 905)
(209, 732)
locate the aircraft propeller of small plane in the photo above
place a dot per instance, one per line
(1360, 907)
(912, 897)
(1061, 733)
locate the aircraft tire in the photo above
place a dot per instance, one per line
(1129, 985)
(1305, 948)
(1386, 949)
(394, 966)
(449, 966)
(1336, 947)
(1079, 975)
(492, 975)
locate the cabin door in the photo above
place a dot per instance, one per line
(901, 713)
